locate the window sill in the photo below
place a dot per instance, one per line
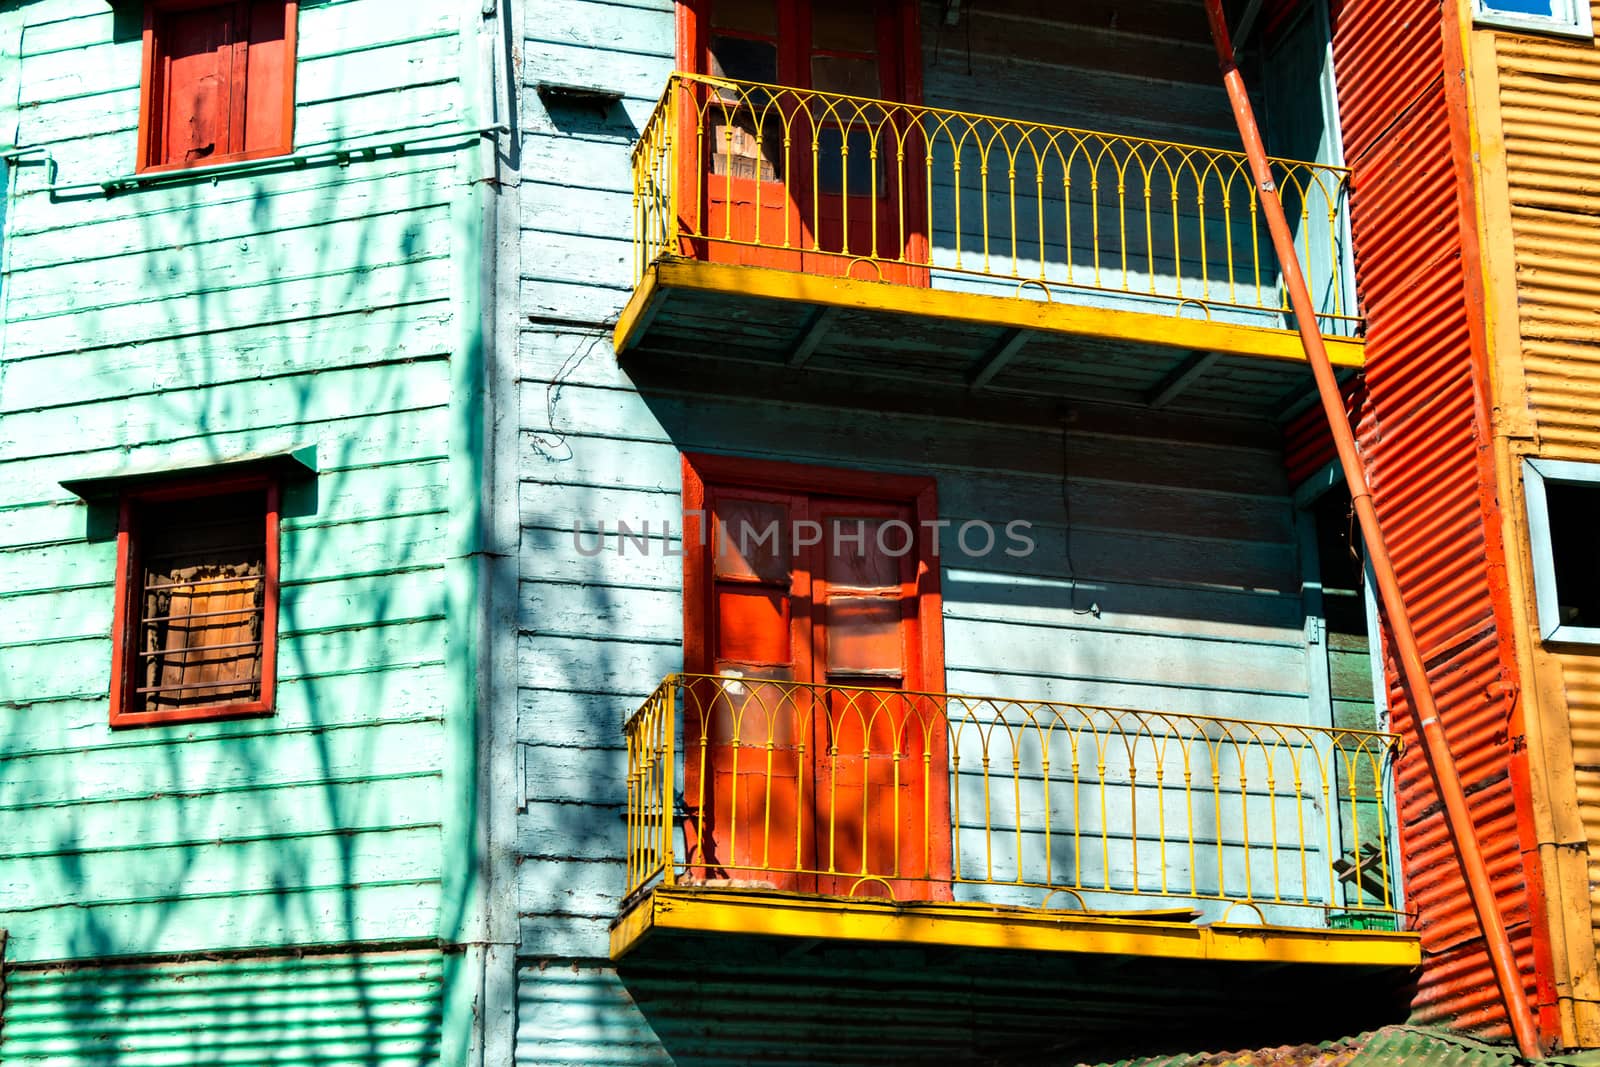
(255, 709)
(216, 161)
(1571, 635)
(1506, 23)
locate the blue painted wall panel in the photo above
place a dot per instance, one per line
(1184, 543)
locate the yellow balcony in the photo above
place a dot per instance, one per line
(840, 813)
(791, 227)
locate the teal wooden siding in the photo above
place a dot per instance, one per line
(378, 1008)
(185, 324)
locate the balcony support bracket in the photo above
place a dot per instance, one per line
(812, 335)
(995, 360)
(1183, 375)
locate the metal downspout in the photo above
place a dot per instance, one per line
(1458, 818)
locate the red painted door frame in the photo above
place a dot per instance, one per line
(807, 225)
(917, 864)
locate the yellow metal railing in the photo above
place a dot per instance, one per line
(749, 173)
(855, 791)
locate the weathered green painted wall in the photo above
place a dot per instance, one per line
(381, 1008)
(190, 323)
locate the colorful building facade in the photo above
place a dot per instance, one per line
(908, 291)
(243, 346)
(720, 532)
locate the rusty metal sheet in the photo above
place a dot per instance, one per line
(1420, 434)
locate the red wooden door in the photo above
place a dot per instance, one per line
(877, 749)
(747, 732)
(748, 144)
(801, 181)
(859, 196)
(792, 783)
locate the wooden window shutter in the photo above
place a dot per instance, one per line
(218, 82)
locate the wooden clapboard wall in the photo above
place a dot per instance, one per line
(1182, 531)
(191, 323)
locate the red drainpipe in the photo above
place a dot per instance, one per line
(1437, 747)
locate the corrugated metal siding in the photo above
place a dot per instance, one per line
(1307, 443)
(1420, 436)
(1548, 94)
(328, 1010)
(1390, 1047)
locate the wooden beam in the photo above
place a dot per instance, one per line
(994, 360)
(812, 335)
(1247, 23)
(1182, 376)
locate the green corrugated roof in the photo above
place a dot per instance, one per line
(1396, 1045)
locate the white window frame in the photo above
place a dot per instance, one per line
(1571, 19)
(1535, 473)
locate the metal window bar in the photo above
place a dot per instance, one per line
(150, 620)
(252, 683)
(851, 791)
(177, 671)
(199, 583)
(978, 202)
(190, 650)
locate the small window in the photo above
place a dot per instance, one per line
(1566, 17)
(197, 591)
(218, 82)
(1563, 517)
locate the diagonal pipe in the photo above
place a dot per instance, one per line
(1441, 762)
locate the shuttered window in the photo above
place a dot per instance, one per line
(218, 82)
(197, 603)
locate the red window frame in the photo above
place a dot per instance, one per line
(126, 618)
(900, 52)
(152, 85)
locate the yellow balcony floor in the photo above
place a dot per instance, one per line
(746, 976)
(1159, 934)
(1018, 345)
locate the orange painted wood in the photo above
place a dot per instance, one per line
(218, 82)
(852, 786)
(795, 220)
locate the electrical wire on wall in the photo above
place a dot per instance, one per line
(1066, 531)
(552, 443)
(952, 17)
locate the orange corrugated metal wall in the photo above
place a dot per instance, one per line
(1307, 444)
(1420, 432)
(1548, 89)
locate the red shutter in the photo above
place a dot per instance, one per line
(218, 82)
(269, 85)
(197, 74)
